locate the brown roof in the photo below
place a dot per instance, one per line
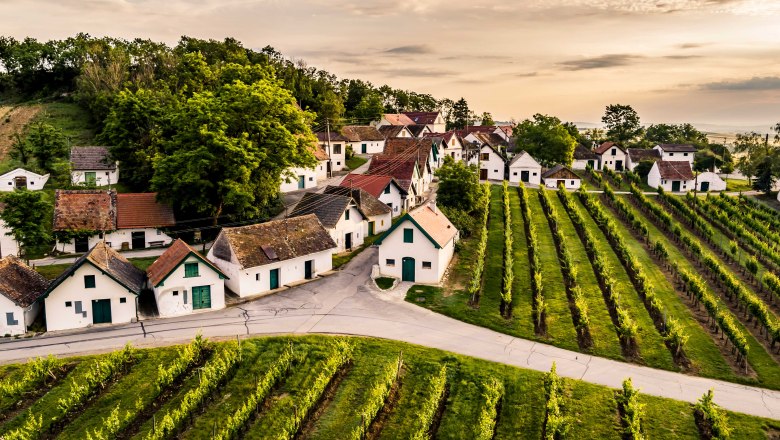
(640, 154)
(559, 172)
(675, 170)
(435, 223)
(374, 185)
(601, 149)
(170, 260)
(477, 129)
(422, 118)
(87, 210)
(368, 204)
(678, 148)
(20, 283)
(584, 153)
(335, 136)
(358, 133)
(391, 131)
(398, 119)
(109, 262)
(91, 158)
(400, 168)
(417, 130)
(409, 148)
(283, 239)
(142, 210)
(319, 152)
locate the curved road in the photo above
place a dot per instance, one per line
(345, 303)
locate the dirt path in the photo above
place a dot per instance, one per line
(14, 120)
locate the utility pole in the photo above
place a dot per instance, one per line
(330, 161)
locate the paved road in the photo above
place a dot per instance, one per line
(346, 303)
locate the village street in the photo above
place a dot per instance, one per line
(347, 303)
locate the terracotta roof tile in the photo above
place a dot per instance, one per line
(142, 210)
(601, 149)
(91, 158)
(20, 283)
(400, 168)
(372, 184)
(398, 119)
(89, 210)
(435, 223)
(675, 170)
(559, 172)
(170, 260)
(391, 131)
(358, 133)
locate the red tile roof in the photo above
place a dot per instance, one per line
(142, 210)
(372, 184)
(86, 210)
(400, 169)
(422, 118)
(171, 259)
(603, 148)
(398, 119)
(675, 170)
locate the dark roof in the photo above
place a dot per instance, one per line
(675, 170)
(367, 204)
(422, 118)
(372, 184)
(87, 210)
(91, 158)
(391, 131)
(407, 148)
(287, 238)
(357, 133)
(335, 136)
(20, 283)
(559, 172)
(109, 262)
(678, 148)
(417, 129)
(327, 207)
(640, 154)
(603, 148)
(477, 129)
(492, 139)
(584, 153)
(172, 258)
(142, 210)
(400, 168)
(519, 156)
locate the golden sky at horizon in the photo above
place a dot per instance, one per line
(701, 61)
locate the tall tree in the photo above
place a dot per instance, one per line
(487, 119)
(458, 185)
(26, 214)
(460, 115)
(546, 139)
(21, 149)
(48, 144)
(761, 158)
(622, 123)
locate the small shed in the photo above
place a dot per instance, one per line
(22, 179)
(709, 181)
(561, 175)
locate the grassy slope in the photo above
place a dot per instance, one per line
(701, 349)
(522, 295)
(560, 327)
(490, 299)
(767, 369)
(651, 346)
(71, 119)
(602, 331)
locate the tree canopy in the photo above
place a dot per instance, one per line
(26, 214)
(546, 139)
(761, 158)
(622, 123)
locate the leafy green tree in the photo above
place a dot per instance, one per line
(546, 139)
(370, 108)
(458, 185)
(26, 213)
(622, 123)
(460, 115)
(675, 134)
(21, 149)
(761, 158)
(714, 156)
(487, 119)
(48, 144)
(766, 175)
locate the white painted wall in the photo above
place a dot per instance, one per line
(569, 183)
(381, 223)
(23, 317)
(675, 157)
(290, 179)
(611, 157)
(8, 246)
(181, 303)
(116, 238)
(393, 199)
(525, 163)
(61, 317)
(422, 250)
(356, 225)
(372, 147)
(35, 181)
(494, 164)
(583, 164)
(102, 177)
(716, 183)
(337, 153)
(654, 181)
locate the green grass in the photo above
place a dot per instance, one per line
(71, 119)
(355, 162)
(590, 409)
(522, 295)
(738, 185)
(384, 283)
(52, 271)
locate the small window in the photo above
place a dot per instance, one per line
(9, 319)
(495, 171)
(311, 179)
(614, 151)
(346, 214)
(534, 174)
(68, 304)
(337, 150)
(89, 281)
(515, 173)
(257, 277)
(572, 182)
(485, 156)
(685, 154)
(191, 270)
(671, 154)
(387, 189)
(338, 163)
(175, 293)
(408, 235)
(390, 262)
(426, 264)
(122, 300)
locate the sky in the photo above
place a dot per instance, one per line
(699, 61)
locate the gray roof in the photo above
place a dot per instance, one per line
(327, 207)
(560, 172)
(109, 262)
(20, 283)
(678, 148)
(640, 154)
(584, 153)
(91, 158)
(367, 204)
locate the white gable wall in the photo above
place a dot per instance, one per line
(22, 317)
(337, 154)
(381, 223)
(61, 317)
(181, 303)
(525, 163)
(715, 182)
(290, 179)
(582, 164)
(421, 249)
(654, 180)
(675, 157)
(393, 199)
(102, 177)
(568, 183)
(8, 245)
(356, 225)
(612, 158)
(34, 182)
(370, 147)
(493, 163)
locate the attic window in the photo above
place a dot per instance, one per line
(269, 252)
(346, 214)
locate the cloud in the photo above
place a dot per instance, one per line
(755, 83)
(526, 74)
(690, 45)
(600, 62)
(681, 57)
(412, 49)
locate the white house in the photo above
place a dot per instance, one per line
(635, 156)
(339, 215)
(335, 146)
(101, 287)
(364, 139)
(405, 171)
(296, 179)
(450, 145)
(385, 188)
(20, 288)
(584, 156)
(524, 168)
(433, 120)
(92, 166)
(8, 245)
(676, 152)
(419, 246)
(378, 215)
(184, 281)
(393, 119)
(264, 257)
(395, 131)
(674, 176)
(490, 163)
(612, 156)
(21, 178)
(709, 181)
(560, 175)
(123, 221)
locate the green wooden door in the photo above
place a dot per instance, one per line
(370, 228)
(301, 182)
(101, 311)
(407, 269)
(705, 186)
(363, 149)
(201, 297)
(676, 186)
(274, 279)
(90, 177)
